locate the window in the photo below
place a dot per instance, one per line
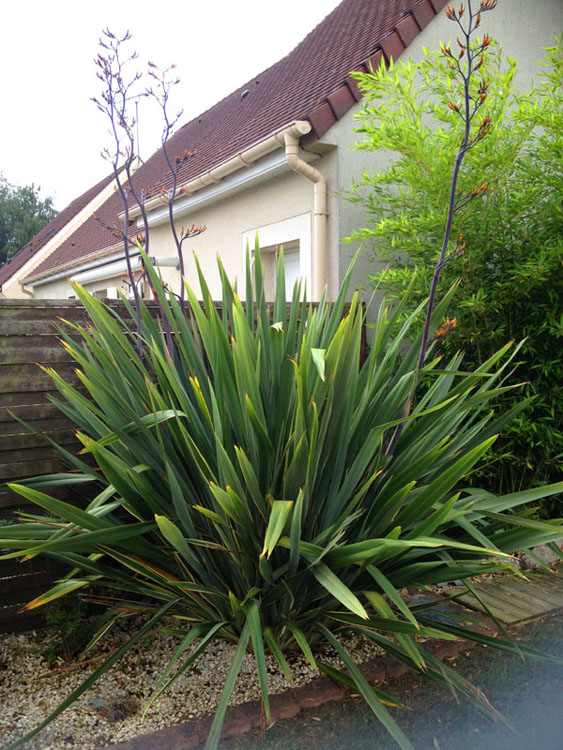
(291, 262)
(109, 293)
(294, 236)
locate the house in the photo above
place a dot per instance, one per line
(39, 248)
(273, 158)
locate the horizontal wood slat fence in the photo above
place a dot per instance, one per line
(28, 338)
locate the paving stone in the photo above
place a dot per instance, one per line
(179, 737)
(384, 668)
(447, 649)
(283, 706)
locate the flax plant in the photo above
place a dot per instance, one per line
(244, 490)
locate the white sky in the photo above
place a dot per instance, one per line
(51, 134)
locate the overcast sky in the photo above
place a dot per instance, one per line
(51, 134)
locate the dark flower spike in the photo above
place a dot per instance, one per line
(472, 102)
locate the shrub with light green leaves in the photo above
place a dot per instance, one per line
(246, 486)
(511, 269)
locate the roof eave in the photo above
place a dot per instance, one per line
(71, 265)
(245, 158)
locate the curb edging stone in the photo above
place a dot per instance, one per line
(244, 717)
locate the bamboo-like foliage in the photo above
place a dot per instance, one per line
(244, 485)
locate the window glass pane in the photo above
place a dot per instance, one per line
(291, 262)
(291, 268)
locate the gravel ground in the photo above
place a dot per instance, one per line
(110, 712)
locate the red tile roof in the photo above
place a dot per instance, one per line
(50, 230)
(312, 82)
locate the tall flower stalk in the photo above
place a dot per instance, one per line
(163, 85)
(114, 101)
(474, 97)
(465, 63)
(118, 93)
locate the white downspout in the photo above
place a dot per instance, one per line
(320, 211)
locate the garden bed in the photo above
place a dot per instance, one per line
(31, 687)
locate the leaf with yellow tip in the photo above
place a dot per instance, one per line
(61, 589)
(332, 583)
(318, 356)
(276, 524)
(210, 514)
(173, 535)
(388, 588)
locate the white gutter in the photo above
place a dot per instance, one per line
(105, 272)
(288, 138)
(268, 167)
(105, 269)
(67, 272)
(119, 268)
(244, 158)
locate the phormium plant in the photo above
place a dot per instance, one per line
(245, 484)
(262, 482)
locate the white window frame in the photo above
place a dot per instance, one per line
(279, 233)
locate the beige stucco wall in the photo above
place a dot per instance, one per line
(283, 197)
(13, 290)
(54, 290)
(60, 288)
(286, 196)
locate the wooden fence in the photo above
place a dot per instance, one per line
(28, 339)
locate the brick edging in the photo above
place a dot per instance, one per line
(246, 716)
